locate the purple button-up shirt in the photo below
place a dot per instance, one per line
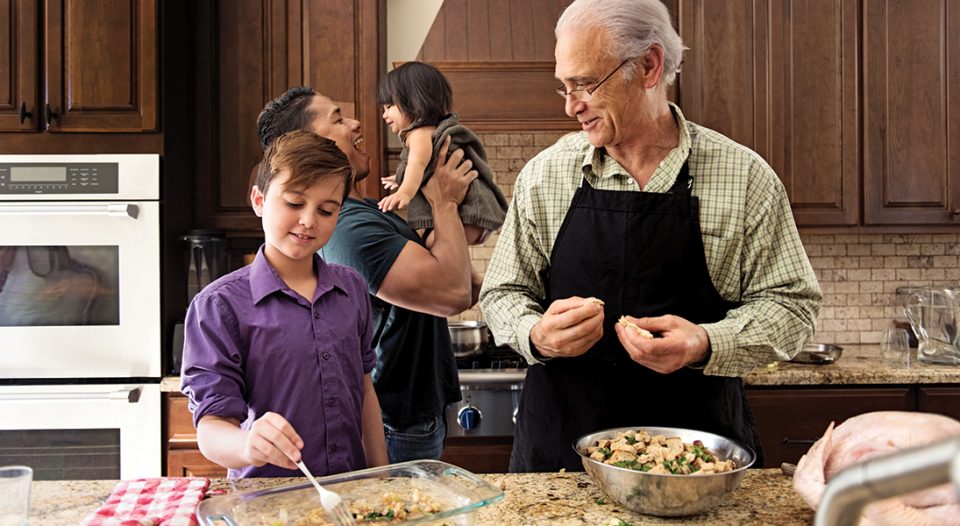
(253, 345)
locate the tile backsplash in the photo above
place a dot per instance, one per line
(859, 273)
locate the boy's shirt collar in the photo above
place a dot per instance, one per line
(264, 279)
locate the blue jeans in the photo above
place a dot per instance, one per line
(419, 440)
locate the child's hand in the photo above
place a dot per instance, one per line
(390, 183)
(272, 440)
(393, 202)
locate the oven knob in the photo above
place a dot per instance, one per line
(469, 417)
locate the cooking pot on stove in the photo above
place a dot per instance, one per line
(469, 338)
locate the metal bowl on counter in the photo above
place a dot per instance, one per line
(469, 338)
(818, 353)
(667, 495)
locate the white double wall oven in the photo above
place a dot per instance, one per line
(80, 351)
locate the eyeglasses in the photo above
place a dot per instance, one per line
(585, 94)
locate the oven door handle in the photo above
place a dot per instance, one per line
(110, 209)
(131, 395)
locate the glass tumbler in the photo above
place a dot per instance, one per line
(895, 348)
(15, 495)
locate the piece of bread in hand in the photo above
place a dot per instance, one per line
(627, 323)
(598, 301)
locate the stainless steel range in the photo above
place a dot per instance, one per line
(490, 383)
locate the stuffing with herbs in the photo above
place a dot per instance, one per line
(641, 451)
(388, 508)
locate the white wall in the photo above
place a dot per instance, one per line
(408, 22)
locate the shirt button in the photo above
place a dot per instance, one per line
(332, 402)
(326, 356)
(333, 447)
(316, 314)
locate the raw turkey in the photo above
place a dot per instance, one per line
(872, 435)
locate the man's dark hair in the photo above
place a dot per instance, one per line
(420, 90)
(286, 113)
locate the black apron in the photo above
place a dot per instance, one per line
(642, 254)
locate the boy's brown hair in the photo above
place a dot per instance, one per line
(309, 157)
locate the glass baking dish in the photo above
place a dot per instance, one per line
(454, 493)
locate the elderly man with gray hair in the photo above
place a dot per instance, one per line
(642, 220)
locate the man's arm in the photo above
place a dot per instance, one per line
(779, 296)
(512, 286)
(436, 281)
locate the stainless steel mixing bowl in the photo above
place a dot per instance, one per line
(667, 495)
(469, 338)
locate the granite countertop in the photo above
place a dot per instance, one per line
(765, 497)
(858, 365)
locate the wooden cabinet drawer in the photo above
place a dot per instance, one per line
(180, 431)
(180, 442)
(789, 421)
(192, 463)
(941, 400)
(479, 454)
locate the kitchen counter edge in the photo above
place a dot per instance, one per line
(765, 497)
(860, 364)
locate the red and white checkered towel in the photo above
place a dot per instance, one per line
(170, 501)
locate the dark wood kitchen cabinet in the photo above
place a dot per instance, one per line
(479, 454)
(18, 65)
(183, 456)
(911, 107)
(782, 79)
(251, 51)
(861, 129)
(790, 420)
(940, 400)
(98, 71)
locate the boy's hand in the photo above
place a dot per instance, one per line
(390, 183)
(393, 202)
(451, 179)
(272, 440)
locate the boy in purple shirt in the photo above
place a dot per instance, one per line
(277, 354)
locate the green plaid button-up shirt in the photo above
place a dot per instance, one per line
(753, 251)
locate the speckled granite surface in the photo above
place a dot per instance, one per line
(858, 365)
(765, 497)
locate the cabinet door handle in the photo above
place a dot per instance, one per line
(24, 114)
(49, 114)
(804, 441)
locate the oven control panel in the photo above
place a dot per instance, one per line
(58, 178)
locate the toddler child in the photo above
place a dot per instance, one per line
(416, 100)
(277, 355)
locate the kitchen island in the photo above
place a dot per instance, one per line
(765, 497)
(792, 404)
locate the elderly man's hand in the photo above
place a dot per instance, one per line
(678, 342)
(451, 179)
(569, 327)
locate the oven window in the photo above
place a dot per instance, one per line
(64, 454)
(59, 285)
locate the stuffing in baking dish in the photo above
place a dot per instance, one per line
(388, 508)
